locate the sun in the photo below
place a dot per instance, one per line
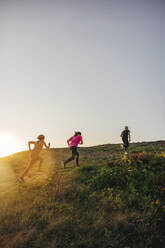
(8, 145)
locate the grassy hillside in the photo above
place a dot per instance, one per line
(110, 201)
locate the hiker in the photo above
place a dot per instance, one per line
(35, 154)
(73, 143)
(126, 138)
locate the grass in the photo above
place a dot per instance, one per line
(110, 201)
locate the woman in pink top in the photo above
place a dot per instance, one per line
(73, 142)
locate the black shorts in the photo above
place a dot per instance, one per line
(126, 143)
(74, 150)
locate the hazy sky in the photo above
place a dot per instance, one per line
(86, 65)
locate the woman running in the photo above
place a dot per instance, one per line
(73, 143)
(35, 154)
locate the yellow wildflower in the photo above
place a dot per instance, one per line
(163, 208)
(163, 154)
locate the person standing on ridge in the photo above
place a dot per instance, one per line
(35, 154)
(126, 138)
(73, 143)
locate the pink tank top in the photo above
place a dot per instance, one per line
(75, 140)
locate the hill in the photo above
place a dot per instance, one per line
(110, 201)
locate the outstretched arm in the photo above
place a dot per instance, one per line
(68, 141)
(129, 137)
(81, 141)
(47, 146)
(31, 143)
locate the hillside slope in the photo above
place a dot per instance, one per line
(110, 201)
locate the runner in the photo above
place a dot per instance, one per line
(126, 138)
(73, 142)
(35, 154)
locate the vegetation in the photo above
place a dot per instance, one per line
(111, 201)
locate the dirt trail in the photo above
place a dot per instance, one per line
(7, 178)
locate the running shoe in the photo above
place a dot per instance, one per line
(20, 179)
(63, 164)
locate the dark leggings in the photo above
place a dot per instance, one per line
(74, 154)
(126, 144)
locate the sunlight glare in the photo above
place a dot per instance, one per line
(8, 145)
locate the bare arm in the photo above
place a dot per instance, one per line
(68, 141)
(129, 137)
(31, 143)
(81, 141)
(47, 146)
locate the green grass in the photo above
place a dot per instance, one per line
(110, 201)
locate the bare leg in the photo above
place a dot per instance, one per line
(27, 169)
(40, 163)
(77, 159)
(74, 154)
(69, 159)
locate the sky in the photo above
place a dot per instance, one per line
(87, 65)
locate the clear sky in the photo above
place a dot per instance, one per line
(87, 65)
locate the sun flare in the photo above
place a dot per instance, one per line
(8, 145)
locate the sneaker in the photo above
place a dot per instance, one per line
(63, 164)
(161, 188)
(126, 153)
(20, 179)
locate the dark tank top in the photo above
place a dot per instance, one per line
(125, 134)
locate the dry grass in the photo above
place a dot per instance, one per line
(61, 208)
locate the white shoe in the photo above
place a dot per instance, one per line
(20, 179)
(63, 164)
(126, 153)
